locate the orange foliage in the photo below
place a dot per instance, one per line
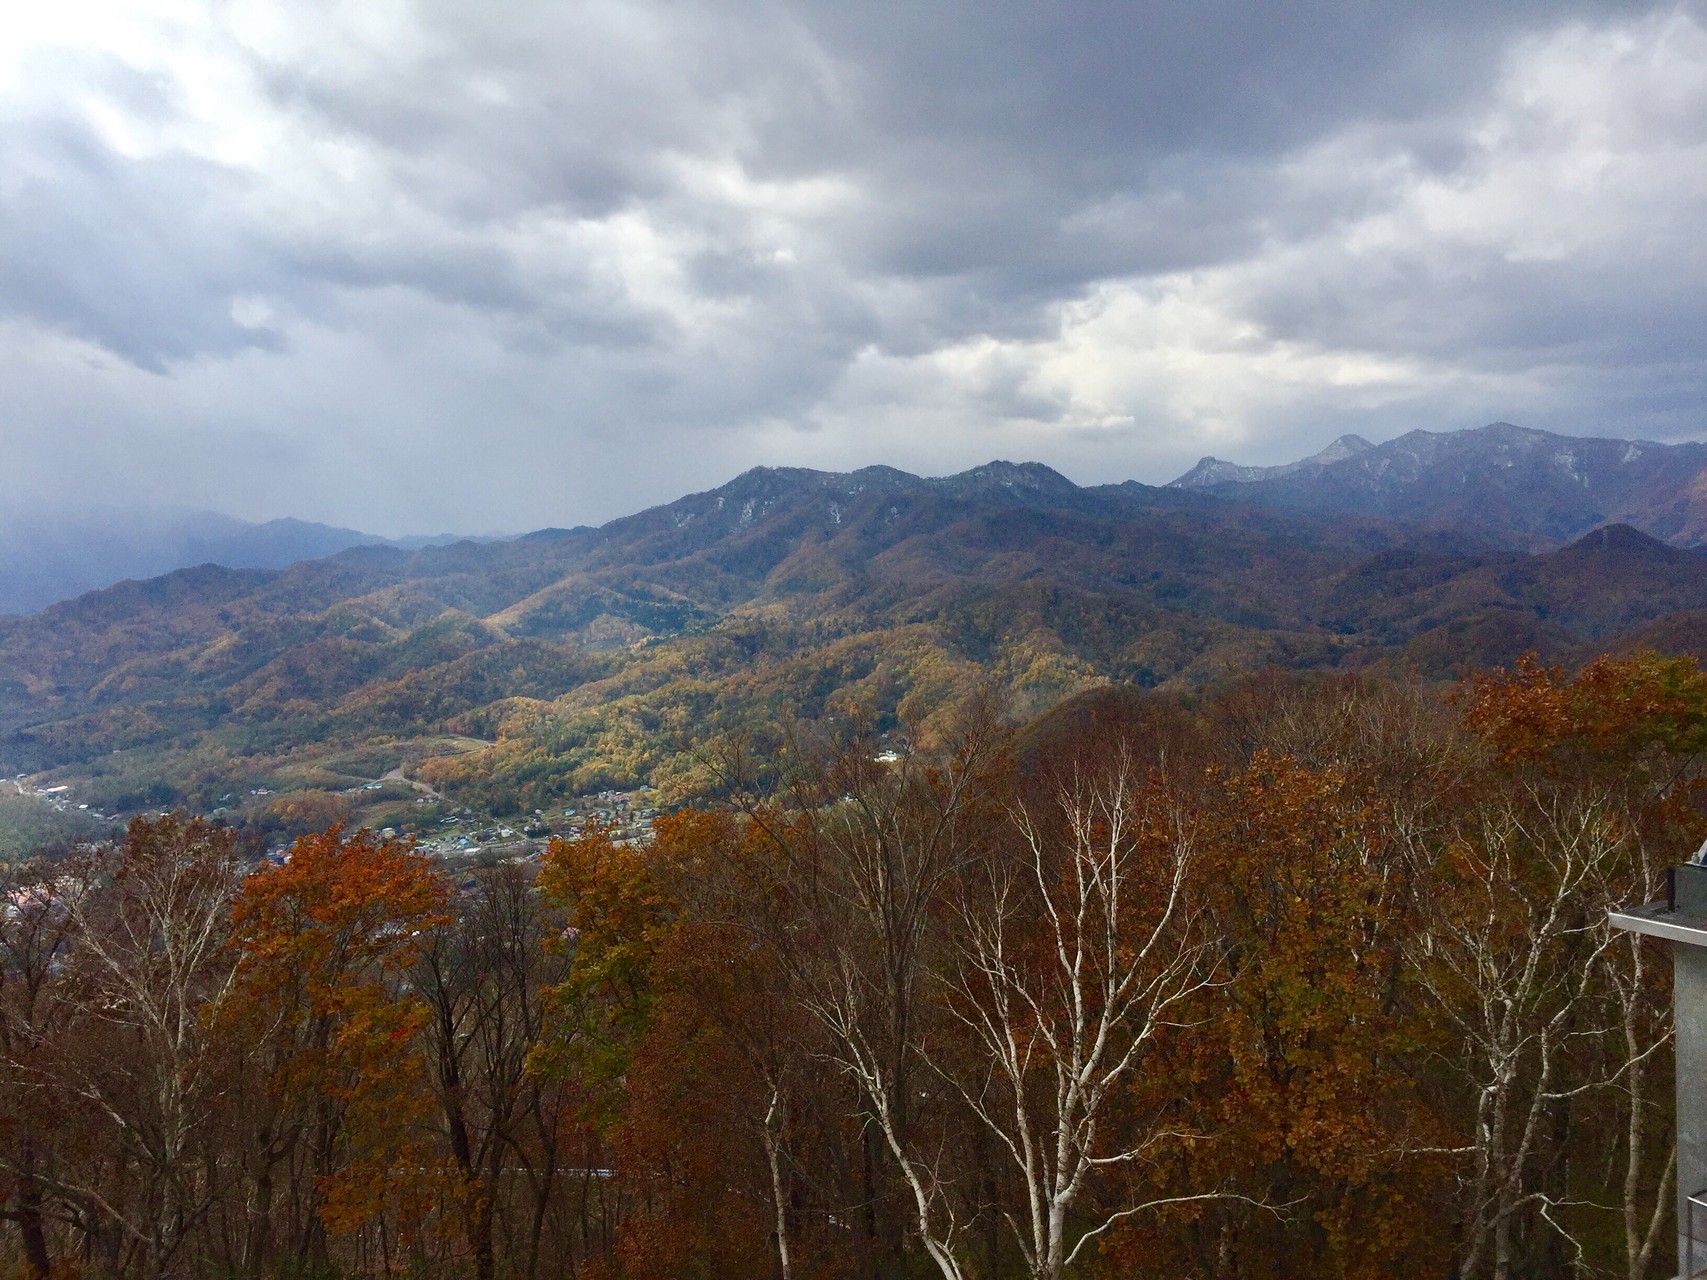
(322, 940)
(1298, 1074)
(303, 812)
(1618, 709)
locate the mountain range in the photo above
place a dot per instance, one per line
(513, 673)
(1518, 483)
(45, 558)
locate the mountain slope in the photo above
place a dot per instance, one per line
(1511, 481)
(1447, 614)
(573, 659)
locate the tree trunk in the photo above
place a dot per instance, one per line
(29, 1214)
(480, 1233)
(989, 1194)
(258, 1246)
(772, 1129)
(868, 1178)
(543, 1192)
(478, 1216)
(104, 1240)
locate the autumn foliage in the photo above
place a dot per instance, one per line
(1300, 979)
(322, 942)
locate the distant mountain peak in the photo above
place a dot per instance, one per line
(1014, 477)
(759, 487)
(1347, 446)
(1538, 486)
(1002, 469)
(1211, 471)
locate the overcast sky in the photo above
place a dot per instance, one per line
(490, 266)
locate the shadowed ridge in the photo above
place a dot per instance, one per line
(1622, 541)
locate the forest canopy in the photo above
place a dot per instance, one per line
(1311, 976)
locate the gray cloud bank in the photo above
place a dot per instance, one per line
(433, 265)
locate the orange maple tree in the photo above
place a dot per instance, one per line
(323, 940)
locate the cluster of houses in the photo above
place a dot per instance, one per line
(57, 798)
(460, 838)
(464, 836)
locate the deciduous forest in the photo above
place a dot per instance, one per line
(1307, 976)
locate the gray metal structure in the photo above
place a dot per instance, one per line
(1682, 920)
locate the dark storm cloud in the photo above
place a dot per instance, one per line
(1024, 115)
(120, 252)
(497, 268)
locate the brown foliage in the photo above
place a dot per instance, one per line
(1304, 979)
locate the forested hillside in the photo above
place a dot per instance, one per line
(511, 674)
(1310, 977)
